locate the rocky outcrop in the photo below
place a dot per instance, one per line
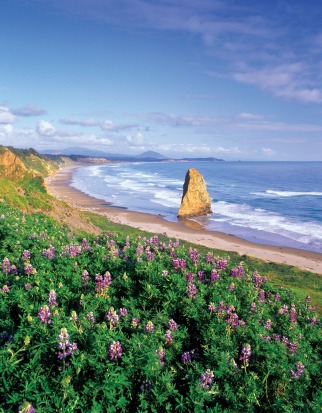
(11, 166)
(195, 199)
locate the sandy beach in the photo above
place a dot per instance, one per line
(58, 185)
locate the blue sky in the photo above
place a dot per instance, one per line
(229, 78)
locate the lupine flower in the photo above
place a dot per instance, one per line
(307, 299)
(179, 263)
(102, 284)
(277, 337)
(66, 348)
(91, 318)
(221, 264)
(285, 341)
(29, 269)
(201, 276)
(172, 325)
(231, 287)
(5, 265)
(283, 309)
(293, 347)
(28, 286)
(49, 252)
(268, 324)
(85, 278)
(149, 328)
(26, 408)
(253, 306)
(146, 386)
(115, 350)
(299, 370)
(44, 315)
(112, 317)
(292, 314)
(5, 289)
(261, 296)
(210, 258)
(123, 312)
(214, 276)
(135, 322)
(192, 290)
(232, 320)
(26, 255)
(277, 297)
(237, 272)
(164, 273)
(313, 320)
(257, 279)
(206, 379)
(186, 357)
(52, 298)
(194, 255)
(265, 338)
(245, 354)
(161, 354)
(13, 270)
(189, 277)
(211, 307)
(85, 245)
(74, 316)
(168, 337)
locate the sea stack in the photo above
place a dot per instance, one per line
(195, 199)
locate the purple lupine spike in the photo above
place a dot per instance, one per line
(268, 324)
(115, 350)
(44, 315)
(112, 317)
(206, 379)
(26, 255)
(149, 327)
(293, 347)
(168, 337)
(90, 317)
(214, 276)
(52, 298)
(135, 322)
(5, 265)
(245, 354)
(161, 354)
(186, 357)
(173, 325)
(123, 312)
(293, 314)
(192, 290)
(299, 370)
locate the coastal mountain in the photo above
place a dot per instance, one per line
(147, 156)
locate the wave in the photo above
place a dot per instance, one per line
(271, 193)
(243, 215)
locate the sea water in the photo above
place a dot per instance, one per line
(276, 203)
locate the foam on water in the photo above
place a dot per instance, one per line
(271, 193)
(243, 215)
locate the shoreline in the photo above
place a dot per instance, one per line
(58, 185)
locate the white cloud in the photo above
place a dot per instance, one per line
(135, 140)
(286, 81)
(6, 116)
(29, 110)
(106, 125)
(268, 152)
(46, 129)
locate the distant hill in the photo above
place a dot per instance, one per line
(148, 156)
(152, 155)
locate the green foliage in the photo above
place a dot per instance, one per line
(153, 326)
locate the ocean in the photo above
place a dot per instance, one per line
(273, 203)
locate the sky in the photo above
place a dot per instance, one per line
(231, 79)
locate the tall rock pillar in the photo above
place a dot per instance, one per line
(195, 200)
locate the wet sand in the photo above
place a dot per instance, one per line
(58, 185)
